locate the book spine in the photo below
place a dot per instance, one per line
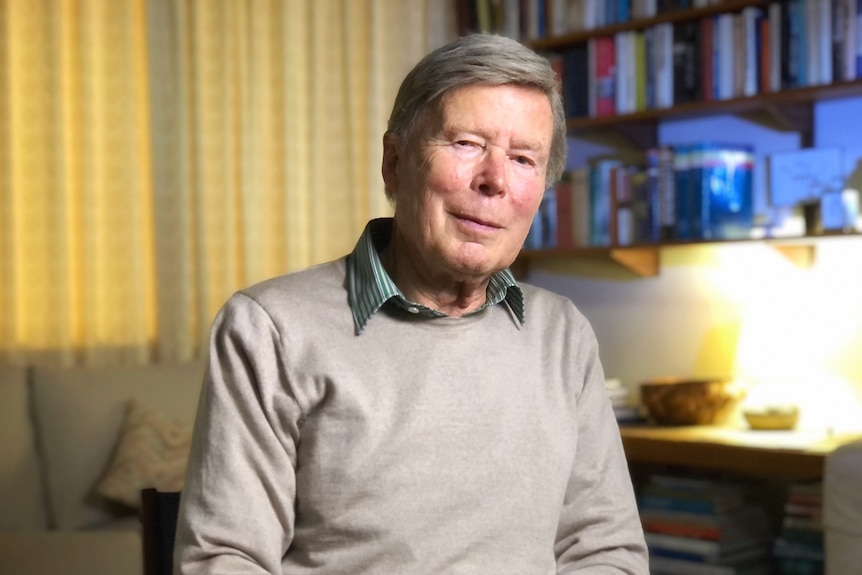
(858, 35)
(580, 207)
(684, 191)
(564, 213)
(825, 39)
(640, 52)
(671, 566)
(839, 37)
(666, 194)
(548, 209)
(775, 40)
(604, 64)
(706, 68)
(850, 38)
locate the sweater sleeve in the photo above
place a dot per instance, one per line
(600, 530)
(237, 505)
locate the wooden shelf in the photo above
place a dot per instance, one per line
(790, 454)
(644, 261)
(787, 111)
(555, 43)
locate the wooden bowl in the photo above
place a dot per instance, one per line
(678, 401)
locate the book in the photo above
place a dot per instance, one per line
(533, 241)
(625, 78)
(602, 65)
(792, 44)
(548, 212)
(642, 209)
(726, 183)
(579, 181)
(662, 191)
(691, 495)
(724, 60)
(685, 191)
(640, 71)
(671, 566)
(775, 43)
(686, 57)
(565, 215)
(706, 58)
(706, 551)
(662, 65)
(576, 81)
(600, 200)
(744, 523)
(751, 18)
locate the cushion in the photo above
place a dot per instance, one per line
(152, 452)
(79, 415)
(21, 499)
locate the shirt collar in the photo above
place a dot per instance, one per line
(369, 285)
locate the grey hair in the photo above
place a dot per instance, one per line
(479, 59)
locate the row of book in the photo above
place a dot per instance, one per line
(799, 546)
(789, 44)
(526, 20)
(699, 526)
(699, 191)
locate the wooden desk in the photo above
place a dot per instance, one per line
(790, 454)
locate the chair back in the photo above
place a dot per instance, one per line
(158, 528)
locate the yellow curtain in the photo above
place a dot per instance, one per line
(157, 155)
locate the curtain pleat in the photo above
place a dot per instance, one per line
(158, 155)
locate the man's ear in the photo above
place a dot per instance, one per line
(391, 147)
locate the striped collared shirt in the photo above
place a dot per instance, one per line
(369, 285)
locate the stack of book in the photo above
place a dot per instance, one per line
(624, 410)
(704, 527)
(799, 545)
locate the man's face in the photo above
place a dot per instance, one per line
(467, 190)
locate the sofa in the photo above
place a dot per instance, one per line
(76, 447)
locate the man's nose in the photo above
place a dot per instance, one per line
(491, 177)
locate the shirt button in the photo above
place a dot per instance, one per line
(413, 309)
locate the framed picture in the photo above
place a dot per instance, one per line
(804, 175)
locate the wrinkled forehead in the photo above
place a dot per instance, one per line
(431, 118)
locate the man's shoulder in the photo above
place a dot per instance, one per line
(545, 303)
(315, 283)
(544, 296)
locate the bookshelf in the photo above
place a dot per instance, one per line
(785, 110)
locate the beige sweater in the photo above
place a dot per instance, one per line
(452, 445)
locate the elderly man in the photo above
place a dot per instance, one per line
(411, 408)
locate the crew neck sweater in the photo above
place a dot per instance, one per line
(422, 446)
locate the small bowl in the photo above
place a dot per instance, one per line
(772, 418)
(679, 401)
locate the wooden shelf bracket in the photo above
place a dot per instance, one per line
(642, 261)
(800, 254)
(786, 117)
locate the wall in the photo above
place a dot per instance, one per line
(738, 310)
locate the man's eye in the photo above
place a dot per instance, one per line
(524, 160)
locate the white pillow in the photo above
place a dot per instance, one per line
(152, 451)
